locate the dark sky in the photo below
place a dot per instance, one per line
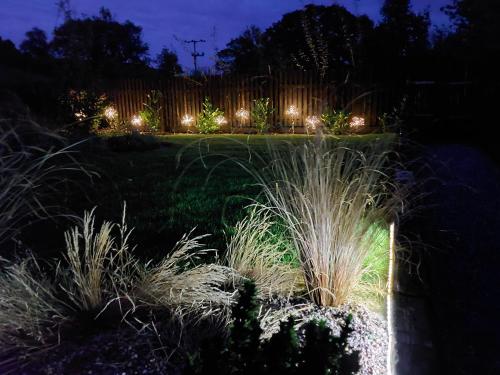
(166, 22)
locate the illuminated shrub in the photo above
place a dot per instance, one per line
(209, 120)
(336, 122)
(86, 109)
(151, 114)
(260, 114)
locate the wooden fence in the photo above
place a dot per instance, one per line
(307, 92)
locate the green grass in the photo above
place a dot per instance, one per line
(172, 189)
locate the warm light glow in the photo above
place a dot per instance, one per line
(312, 122)
(390, 304)
(80, 116)
(292, 111)
(242, 114)
(220, 120)
(110, 113)
(187, 120)
(136, 120)
(357, 122)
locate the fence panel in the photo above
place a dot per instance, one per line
(307, 91)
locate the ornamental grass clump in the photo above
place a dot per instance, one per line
(102, 271)
(100, 277)
(30, 309)
(259, 251)
(34, 163)
(180, 282)
(329, 196)
(99, 265)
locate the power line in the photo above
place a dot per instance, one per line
(195, 53)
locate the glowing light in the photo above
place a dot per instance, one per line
(110, 113)
(292, 111)
(390, 304)
(136, 120)
(312, 122)
(80, 116)
(220, 120)
(187, 120)
(242, 114)
(357, 122)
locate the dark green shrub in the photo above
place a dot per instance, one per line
(85, 109)
(243, 353)
(324, 353)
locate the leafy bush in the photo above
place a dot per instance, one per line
(260, 113)
(336, 122)
(207, 120)
(151, 114)
(85, 109)
(245, 353)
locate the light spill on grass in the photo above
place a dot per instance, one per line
(333, 199)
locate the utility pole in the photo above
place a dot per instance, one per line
(195, 53)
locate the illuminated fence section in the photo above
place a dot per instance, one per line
(304, 91)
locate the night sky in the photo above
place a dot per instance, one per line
(168, 22)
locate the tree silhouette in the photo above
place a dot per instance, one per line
(168, 63)
(476, 34)
(325, 39)
(35, 44)
(402, 39)
(99, 46)
(243, 54)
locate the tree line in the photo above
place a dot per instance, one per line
(329, 40)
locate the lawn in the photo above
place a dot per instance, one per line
(181, 186)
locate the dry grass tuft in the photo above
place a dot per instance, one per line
(100, 271)
(100, 267)
(30, 310)
(258, 253)
(329, 196)
(180, 283)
